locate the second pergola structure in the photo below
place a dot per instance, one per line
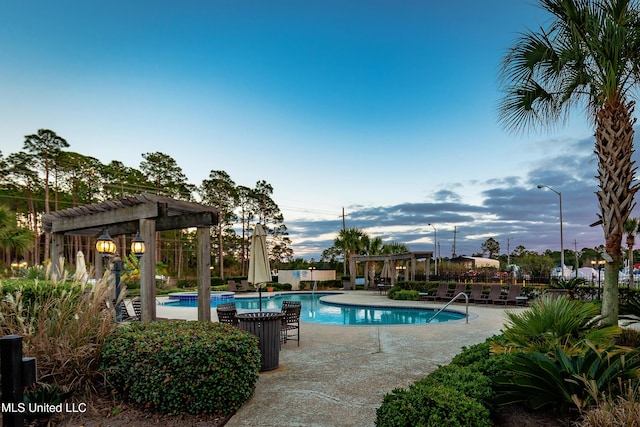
(406, 258)
(147, 214)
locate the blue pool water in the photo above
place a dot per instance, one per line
(316, 311)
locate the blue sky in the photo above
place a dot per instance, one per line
(385, 108)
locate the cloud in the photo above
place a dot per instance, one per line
(511, 207)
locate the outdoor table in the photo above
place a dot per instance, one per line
(266, 326)
(522, 300)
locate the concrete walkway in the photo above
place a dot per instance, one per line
(339, 374)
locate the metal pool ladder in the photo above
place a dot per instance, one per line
(466, 298)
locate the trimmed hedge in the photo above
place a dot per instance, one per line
(459, 394)
(183, 367)
(431, 405)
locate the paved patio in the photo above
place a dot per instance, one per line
(339, 374)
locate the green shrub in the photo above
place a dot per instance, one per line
(430, 405)
(464, 379)
(285, 286)
(183, 367)
(405, 295)
(217, 281)
(187, 283)
(566, 381)
(479, 357)
(553, 323)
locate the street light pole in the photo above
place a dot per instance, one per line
(435, 247)
(561, 236)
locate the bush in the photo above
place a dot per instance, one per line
(161, 365)
(405, 295)
(431, 405)
(187, 283)
(553, 323)
(564, 382)
(464, 379)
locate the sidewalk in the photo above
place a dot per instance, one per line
(339, 374)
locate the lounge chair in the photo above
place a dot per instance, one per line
(232, 286)
(227, 313)
(245, 286)
(290, 326)
(441, 293)
(510, 298)
(494, 295)
(476, 292)
(460, 287)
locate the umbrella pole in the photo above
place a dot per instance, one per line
(260, 295)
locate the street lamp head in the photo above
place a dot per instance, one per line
(540, 186)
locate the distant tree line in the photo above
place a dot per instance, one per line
(45, 176)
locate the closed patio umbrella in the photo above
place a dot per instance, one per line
(386, 270)
(259, 269)
(81, 275)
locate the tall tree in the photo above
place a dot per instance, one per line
(492, 246)
(247, 212)
(269, 215)
(119, 180)
(21, 175)
(588, 55)
(46, 145)
(165, 175)
(220, 191)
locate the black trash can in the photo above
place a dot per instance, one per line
(266, 326)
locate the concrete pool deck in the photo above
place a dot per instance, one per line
(339, 374)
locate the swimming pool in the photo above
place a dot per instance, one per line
(316, 311)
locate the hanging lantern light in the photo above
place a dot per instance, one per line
(105, 244)
(137, 245)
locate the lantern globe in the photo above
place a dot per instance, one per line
(137, 245)
(105, 244)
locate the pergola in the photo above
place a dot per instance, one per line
(406, 257)
(147, 214)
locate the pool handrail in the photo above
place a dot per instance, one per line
(466, 297)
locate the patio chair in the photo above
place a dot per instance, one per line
(137, 308)
(245, 286)
(227, 313)
(510, 298)
(494, 294)
(441, 293)
(460, 287)
(476, 292)
(232, 286)
(287, 303)
(290, 322)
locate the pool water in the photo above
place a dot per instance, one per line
(316, 311)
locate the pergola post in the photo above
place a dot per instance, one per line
(204, 273)
(147, 270)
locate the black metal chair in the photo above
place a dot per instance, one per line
(137, 309)
(291, 321)
(227, 313)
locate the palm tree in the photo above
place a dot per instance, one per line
(14, 240)
(631, 227)
(352, 241)
(589, 55)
